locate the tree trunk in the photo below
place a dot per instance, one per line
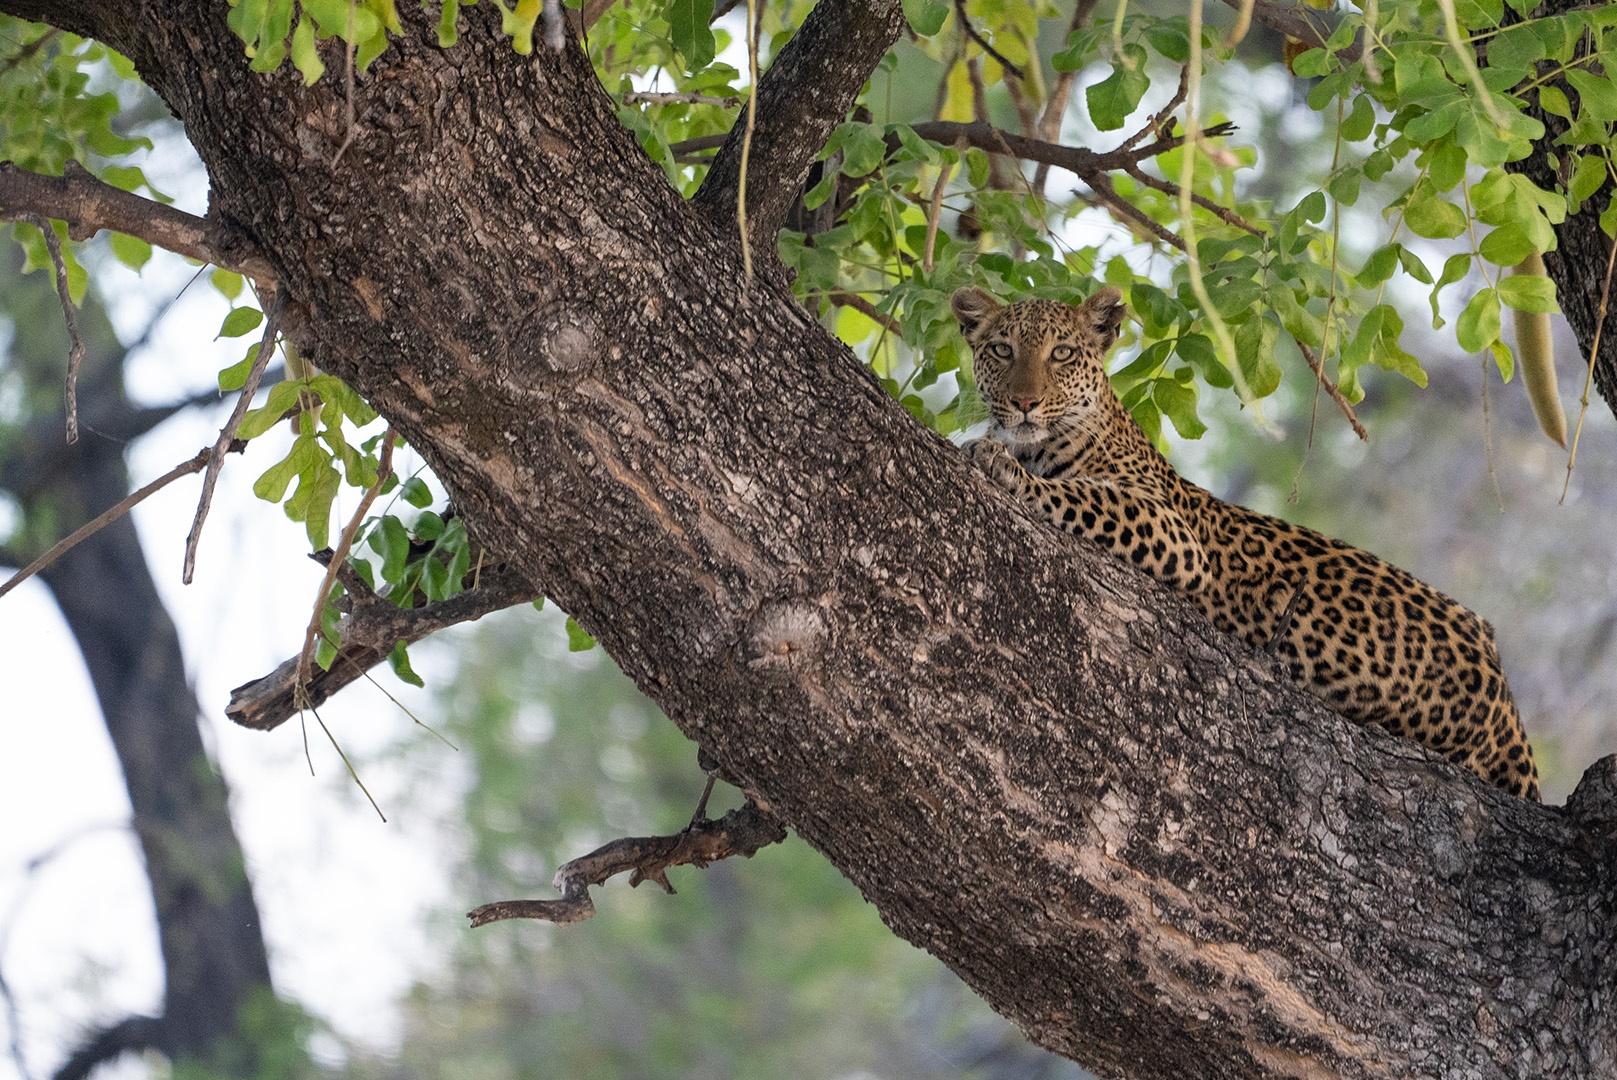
(214, 959)
(1126, 831)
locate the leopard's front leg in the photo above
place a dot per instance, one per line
(1134, 523)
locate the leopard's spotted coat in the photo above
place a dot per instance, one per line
(1376, 644)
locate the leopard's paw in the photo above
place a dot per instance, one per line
(993, 459)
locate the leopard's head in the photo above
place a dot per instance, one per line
(1039, 362)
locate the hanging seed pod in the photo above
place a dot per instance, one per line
(1536, 351)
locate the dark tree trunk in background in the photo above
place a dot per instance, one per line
(1124, 830)
(213, 954)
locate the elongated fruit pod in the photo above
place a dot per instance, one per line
(1536, 351)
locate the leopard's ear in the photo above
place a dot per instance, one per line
(972, 308)
(1104, 311)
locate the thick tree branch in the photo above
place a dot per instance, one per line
(105, 20)
(806, 93)
(89, 205)
(368, 635)
(1127, 832)
(743, 831)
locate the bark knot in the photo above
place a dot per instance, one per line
(786, 635)
(1593, 803)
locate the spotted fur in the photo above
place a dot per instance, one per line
(1373, 642)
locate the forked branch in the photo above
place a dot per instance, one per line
(743, 831)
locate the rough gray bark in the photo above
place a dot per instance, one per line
(1125, 831)
(213, 954)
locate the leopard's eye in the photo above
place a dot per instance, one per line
(1001, 349)
(1061, 353)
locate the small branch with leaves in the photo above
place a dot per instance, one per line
(743, 831)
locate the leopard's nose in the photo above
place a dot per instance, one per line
(1026, 404)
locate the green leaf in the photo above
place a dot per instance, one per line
(1554, 101)
(228, 282)
(1413, 266)
(1506, 245)
(1432, 217)
(234, 377)
(1587, 178)
(1596, 94)
(578, 639)
(239, 321)
(392, 543)
(282, 396)
(1455, 267)
(1113, 98)
(416, 493)
(1255, 350)
(272, 485)
(1503, 359)
(1177, 401)
(1533, 293)
(924, 16)
(692, 38)
(305, 57)
(399, 661)
(1478, 327)
(448, 32)
(1360, 119)
(132, 251)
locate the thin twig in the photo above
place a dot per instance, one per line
(1588, 377)
(70, 315)
(348, 79)
(26, 53)
(646, 97)
(746, 138)
(339, 556)
(935, 211)
(113, 513)
(971, 32)
(227, 434)
(352, 772)
(743, 831)
(1333, 390)
(844, 298)
(1223, 213)
(1101, 185)
(1163, 115)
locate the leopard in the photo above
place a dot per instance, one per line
(1374, 643)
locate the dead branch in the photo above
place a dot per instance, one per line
(743, 831)
(129, 1034)
(373, 628)
(118, 510)
(88, 205)
(227, 434)
(70, 315)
